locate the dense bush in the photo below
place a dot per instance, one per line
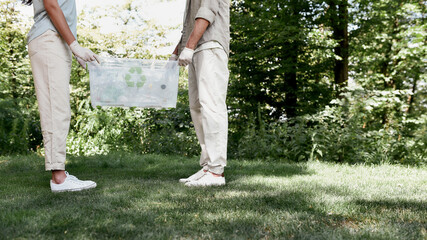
(19, 130)
(98, 131)
(349, 130)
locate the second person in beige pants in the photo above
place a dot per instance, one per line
(204, 47)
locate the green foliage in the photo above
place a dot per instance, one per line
(389, 44)
(99, 131)
(14, 63)
(19, 123)
(282, 49)
(13, 129)
(280, 59)
(348, 131)
(283, 101)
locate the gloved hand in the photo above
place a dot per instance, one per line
(81, 62)
(85, 54)
(186, 57)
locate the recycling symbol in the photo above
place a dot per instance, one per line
(135, 73)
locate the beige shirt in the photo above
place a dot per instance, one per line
(217, 13)
(208, 45)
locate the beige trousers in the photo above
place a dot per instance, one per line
(51, 60)
(207, 90)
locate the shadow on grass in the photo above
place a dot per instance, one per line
(401, 205)
(168, 168)
(138, 197)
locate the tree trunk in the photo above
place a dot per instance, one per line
(290, 73)
(291, 84)
(340, 34)
(411, 98)
(13, 80)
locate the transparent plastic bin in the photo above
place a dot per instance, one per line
(134, 83)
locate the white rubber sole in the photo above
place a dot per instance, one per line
(184, 180)
(75, 189)
(205, 185)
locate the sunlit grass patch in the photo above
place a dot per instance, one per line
(139, 197)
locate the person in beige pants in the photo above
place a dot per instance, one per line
(51, 43)
(204, 47)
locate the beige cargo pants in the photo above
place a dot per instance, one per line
(207, 90)
(51, 65)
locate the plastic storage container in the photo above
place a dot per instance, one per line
(134, 83)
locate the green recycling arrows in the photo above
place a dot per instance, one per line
(141, 78)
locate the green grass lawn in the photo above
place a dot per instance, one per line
(139, 197)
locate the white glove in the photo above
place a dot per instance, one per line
(186, 57)
(173, 57)
(85, 54)
(81, 62)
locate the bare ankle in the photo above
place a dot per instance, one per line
(58, 176)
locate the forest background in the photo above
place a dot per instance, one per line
(327, 80)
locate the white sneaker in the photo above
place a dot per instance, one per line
(193, 177)
(207, 180)
(71, 184)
